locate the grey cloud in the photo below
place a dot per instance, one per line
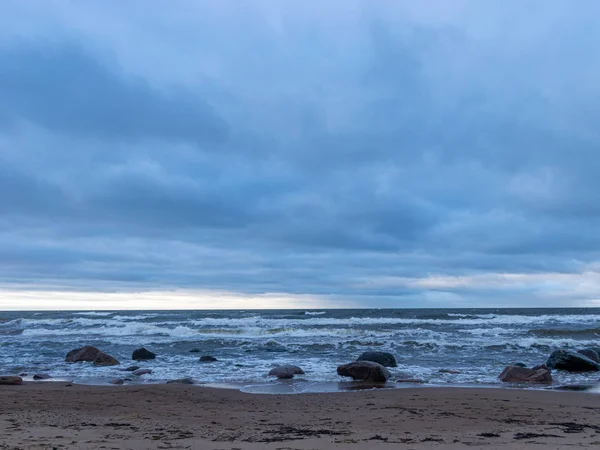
(67, 89)
(420, 149)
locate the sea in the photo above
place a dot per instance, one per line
(475, 343)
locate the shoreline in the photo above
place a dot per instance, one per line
(65, 415)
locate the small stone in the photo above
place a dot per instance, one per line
(42, 376)
(141, 372)
(207, 358)
(116, 381)
(132, 368)
(287, 371)
(181, 381)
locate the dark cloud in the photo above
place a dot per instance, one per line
(66, 89)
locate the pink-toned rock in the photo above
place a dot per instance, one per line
(10, 380)
(91, 354)
(516, 374)
(287, 371)
(116, 381)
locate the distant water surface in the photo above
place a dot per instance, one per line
(247, 344)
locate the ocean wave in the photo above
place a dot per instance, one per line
(314, 313)
(94, 313)
(578, 333)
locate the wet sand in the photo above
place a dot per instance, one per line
(65, 416)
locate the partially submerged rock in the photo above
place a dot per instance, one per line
(571, 362)
(91, 354)
(451, 371)
(8, 380)
(590, 353)
(132, 368)
(517, 374)
(384, 358)
(42, 376)
(364, 371)
(141, 372)
(286, 371)
(142, 354)
(116, 381)
(181, 381)
(208, 358)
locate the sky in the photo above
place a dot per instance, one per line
(292, 154)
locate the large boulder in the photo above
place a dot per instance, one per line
(590, 353)
(571, 362)
(364, 371)
(10, 381)
(383, 358)
(287, 371)
(91, 354)
(517, 374)
(142, 354)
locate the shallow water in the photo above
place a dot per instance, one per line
(476, 342)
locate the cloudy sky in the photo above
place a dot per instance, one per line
(299, 154)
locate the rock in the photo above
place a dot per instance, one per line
(181, 381)
(207, 358)
(117, 381)
(365, 371)
(287, 371)
(574, 387)
(571, 362)
(516, 374)
(383, 358)
(103, 360)
(132, 368)
(90, 354)
(411, 380)
(10, 381)
(41, 376)
(142, 354)
(195, 350)
(449, 371)
(141, 372)
(518, 364)
(590, 353)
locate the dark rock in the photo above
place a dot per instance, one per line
(571, 362)
(132, 368)
(383, 358)
(516, 374)
(142, 354)
(449, 371)
(103, 360)
(518, 364)
(365, 371)
(91, 354)
(141, 372)
(590, 353)
(41, 376)
(195, 350)
(10, 381)
(207, 358)
(540, 366)
(181, 381)
(574, 387)
(287, 371)
(116, 381)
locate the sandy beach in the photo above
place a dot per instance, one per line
(66, 416)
